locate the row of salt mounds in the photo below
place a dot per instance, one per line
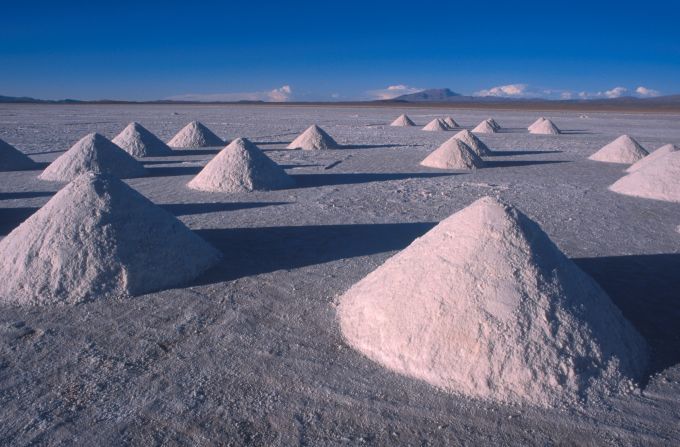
(474, 143)
(484, 127)
(451, 123)
(195, 134)
(486, 305)
(623, 150)
(403, 121)
(657, 180)
(93, 153)
(137, 141)
(660, 152)
(544, 127)
(241, 166)
(12, 159)
(536, 123)
(312, 139)
(98, 238)
(435, 125)
(453, 154)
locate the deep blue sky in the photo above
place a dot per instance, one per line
(124, 50)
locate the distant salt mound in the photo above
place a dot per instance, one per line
(484, 127)
(622, 150)
(93, 153)
(486, 305)
(657, 180)
(477, 146)
(12, 159)
(451, 123)
(545, 127)
(435, 125)
(660, 152)
(195, 134)
(403, 121)
(137, 141)
(536, 123)
(453, 154)
(241, 166)
(313, 139)
(98, 238)
(494, 124)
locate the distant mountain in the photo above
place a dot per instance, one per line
(29, 100)
(430, 95)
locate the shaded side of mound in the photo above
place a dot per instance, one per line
(623, 150)
(312, 139)
(137, 141)
(12, 159)
(453, 154)
(403, 121)
(660, 152)
(435, 125)
(657, 180)
(493, 123)
(193, 135)
(545, 127)
(98, 238)
(473, 142)
(451, 123)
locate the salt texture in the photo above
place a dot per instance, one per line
(622, 150)
(402, 121)
(12, 159)
(660, 152)
(314, 138)
(195, 134)
(453, 154)
(137, 141)
(657, 180)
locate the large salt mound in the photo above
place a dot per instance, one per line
(93, 153)
(486, 305)
(241, 166)
(658, 180)
(494, 124)
(545, 127)
(402, 121)
(436, 124)
(536, 123)
(195, 134)
(451, 123)
(314, 138)
(484, 127)
(98, 238)
(137, 141)
(477, 146)
(622, 150)
(453, 154)
(12, 159)
(660, 152)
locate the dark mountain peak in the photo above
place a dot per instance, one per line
(431, 94)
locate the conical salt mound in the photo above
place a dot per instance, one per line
(195, 134)
(453, 154)
(477, 146)
(484, 127)
(536, 123)
(93, 153)
(451, 123)
(545, 127)
(436, 124)
(312, 139)
(658, 180)
(486, 305)
(98, 238)
(403, 121)
(137, 141)
(241, 166)
(494, 124)
(12, 159)
(622, 150)
(660, 152)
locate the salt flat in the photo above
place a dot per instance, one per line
(251, 352)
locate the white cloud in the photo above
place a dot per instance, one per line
(646, 92)
(506, 91)
(392, 91)
(616, 92)
(281, 94)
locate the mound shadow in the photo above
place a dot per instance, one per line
(252, 251)
(646, 289)
(514, 163)
(25, 194)
(314, 180)
(576, 132)
(185, 209)
(513, 153)
(171, 171)
(369, 146)
(203, 151)
(10, 218)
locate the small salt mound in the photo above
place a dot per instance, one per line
(487, 306)
(453, 154)
(451, 123)
(195, 134)
(622, 150)
(494, 124)
(403, 121)
(93, 153)
(660, 152)
(545, 127)
(137, 141)
(436, 124)
(484, 127)
(477, 146)
(657, 180)
(536, 123)
(12, 159)
(98, 238)
(312, 139)
(241, 166)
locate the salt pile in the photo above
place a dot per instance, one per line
(622, 150)
(451, 123)
(660, 152)
(494, 124)
(436, 124)
(536, 123)
(403, 121)
(484, 127)
(477, 146)
(657, 180)
(12, 159)
(93, 153)
(314, 138)
(544, 127)
(98, 238)
(486, 305)
(241, 166)
(195, 134)
(453, 154)
(137, 141)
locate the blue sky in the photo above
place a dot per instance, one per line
(344, 50)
